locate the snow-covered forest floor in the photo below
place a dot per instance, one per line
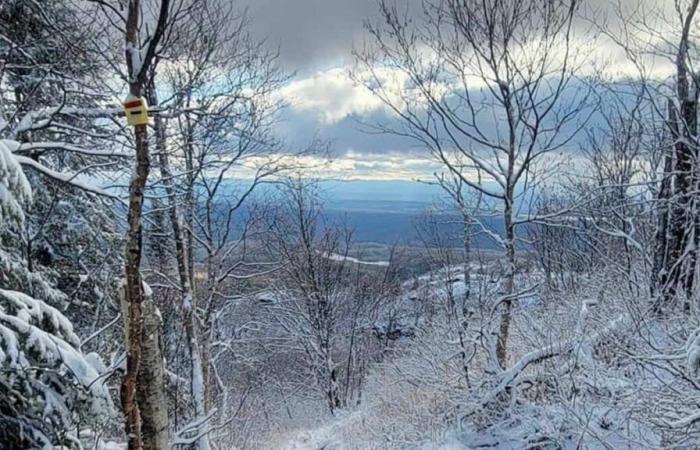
(580, 346)
(171, 279)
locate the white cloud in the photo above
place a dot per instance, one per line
(353, 165)
(333, 95)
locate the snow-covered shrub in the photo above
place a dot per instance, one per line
(47, 385)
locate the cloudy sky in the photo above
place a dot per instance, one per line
(315, 38)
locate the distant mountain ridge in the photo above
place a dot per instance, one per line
(386, 212)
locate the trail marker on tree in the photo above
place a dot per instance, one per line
(136, 110)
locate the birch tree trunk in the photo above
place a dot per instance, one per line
(188, 302)
(142, 390)
(509, 291)
(133, 294)
(150, 390)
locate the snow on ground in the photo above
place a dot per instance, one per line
(337, 257)
(327, 436)
(338, 435)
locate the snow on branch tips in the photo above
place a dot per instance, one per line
(10, 149)
(15, 190)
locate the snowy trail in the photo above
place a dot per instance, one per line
(321, 438)
(331, 435)
(338, 434)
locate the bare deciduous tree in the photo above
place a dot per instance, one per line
(488, 88)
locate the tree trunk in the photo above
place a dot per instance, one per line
(464, 311)
(467, 248)
(133, 293)
(662, 238)
(143, 392)
(190, 203)
(689, 112)
(507, 305)
(188, 302)
(333, 392)
(152, 400)
(677, 250)
(150, 381)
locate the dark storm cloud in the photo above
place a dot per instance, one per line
(354, 133)
(312, 34)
